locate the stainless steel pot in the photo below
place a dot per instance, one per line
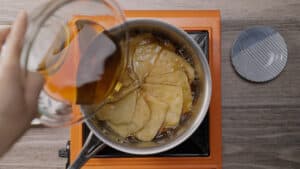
(101, 135)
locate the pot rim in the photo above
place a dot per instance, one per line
(201, 113)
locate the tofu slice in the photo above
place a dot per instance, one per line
(120, 112)
(144, 58)
(142, 114)
(169, 61)
(121, 129)
(139, 120)
(177, 78)
(172, 96)
(158, 114)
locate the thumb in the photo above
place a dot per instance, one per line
(14, 41)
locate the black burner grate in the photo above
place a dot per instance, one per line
(196, 146)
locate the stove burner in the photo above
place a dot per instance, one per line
(196, 146)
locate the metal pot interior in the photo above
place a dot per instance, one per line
(201, 88)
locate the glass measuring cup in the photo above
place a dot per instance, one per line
(68, 42)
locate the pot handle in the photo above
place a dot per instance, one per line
(91, 146)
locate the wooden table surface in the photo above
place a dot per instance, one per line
(261, 122)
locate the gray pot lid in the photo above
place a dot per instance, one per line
(259, 54)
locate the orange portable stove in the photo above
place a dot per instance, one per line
(203, 150)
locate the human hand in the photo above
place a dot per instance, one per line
(18, 93)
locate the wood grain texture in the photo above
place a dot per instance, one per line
(261, 122)
(37, 149)
(261, 138)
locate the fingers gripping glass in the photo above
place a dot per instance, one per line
(70, 44)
